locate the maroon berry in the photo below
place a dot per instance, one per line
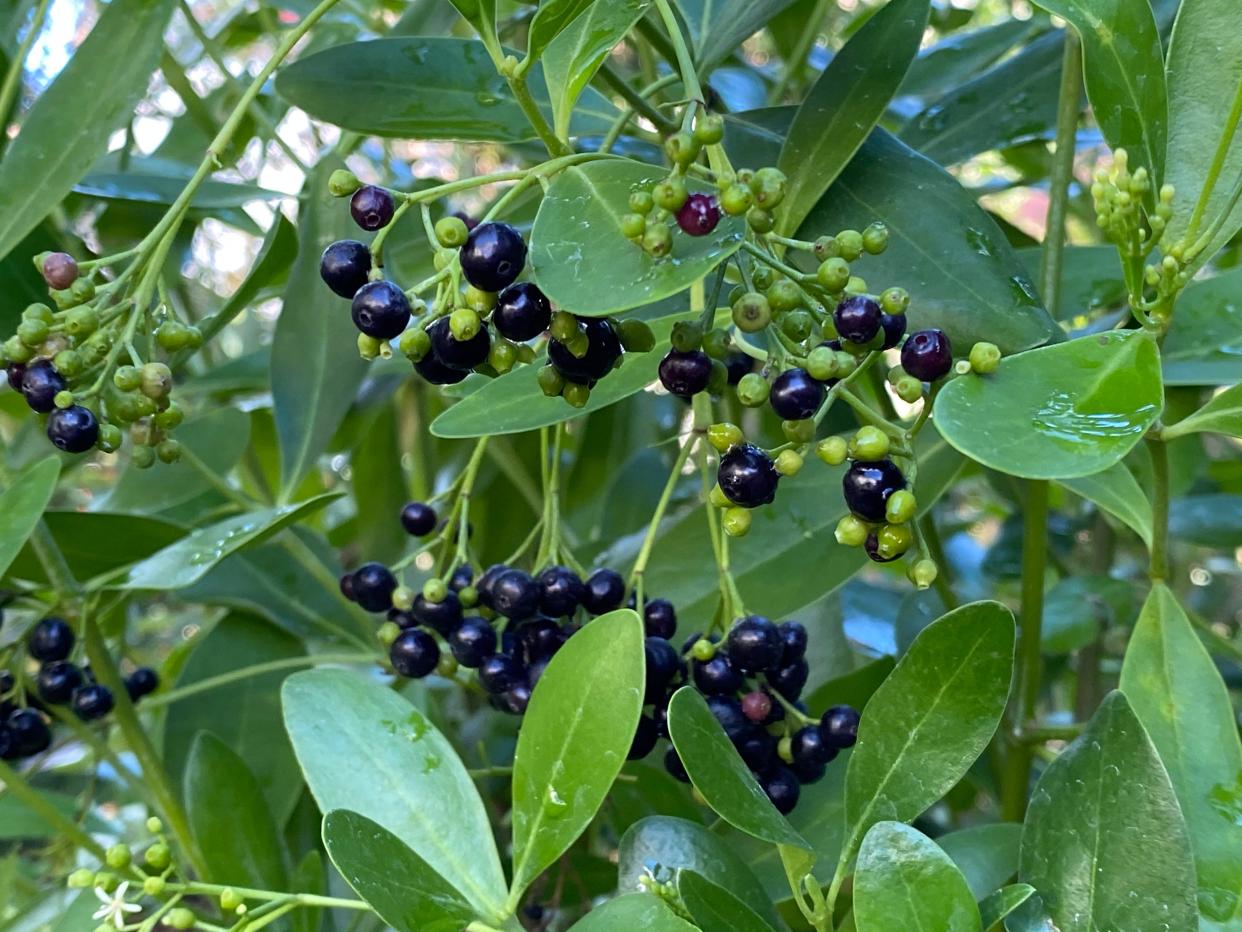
(60, 270)
(756, 706)
(372, 208)
(857, 319)
(685, 374)
(699, 215)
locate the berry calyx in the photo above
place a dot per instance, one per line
(927, 355)
(747, 476)
(699, 214)
(493, 256)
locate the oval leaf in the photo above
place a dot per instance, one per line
(1059, 412)
(633, 911)
(1204, 345)
(904, 881)
(1117, 491)
(550, 20)
(987, 855)
(718, 27)
(1000, 903)
(1207, 520)
(22, 505)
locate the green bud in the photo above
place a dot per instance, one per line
(118, 857)
(752, 390)
(709, 128)
(703, 650)
(923, 573)
(768, 186)
(641, 202)
(985, 358)
(387, 633)
(687, 335)
(760, 220)
(343, 183)
(38, 312)
(230, 899)
(106, 880)
(635, 336)
(169, 451)
(468, 596)
(158, 856)
(81, 291)
(736, 199)
(869, 445)
(464, 324)
(833, 274)
(68, 363)
(172, 336)
(81, 879)
(633, 226)
(908, 389)
(724, 436)
(670, 194)
(784, 295)
(788, 463)
(32, 332)
(736, 521)
(502, 355)
(127, 378)
(851, 532)
(180, 918)
(894, 301)
(797, 325)
(717, 343)
(369, 347)
(63, 399)
(900, 507)
(414, 344)
(798, 431)
(153, 885)
(875, 238)
(142, 457)
(850, 242)
(451, 232)
(109, 438)
(893, 540)
(657, 240)
(154, 825)
(751, 313)
(577, 395)
(479, 301)
(551, 382)
(821, 363)
(156, 380)
(682, 149)
(435, 590)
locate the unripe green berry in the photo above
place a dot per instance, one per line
(468, 596)
(81, 878)
(403, 598)
(760, 220)
(230, 899)
(435, 590)
(343, 183)
(985, 358)
(799, 431)
(923, 573)
(875, 238)
(578, 344)
(762, 277)
(709, 129)
(635, 336)
(724, 436)
(768, 186)
(386, 633)
(851, 532)
(633, 226)
(788, 463)
(38, 311)
(736, 521)
(893, 540)
(447, 665)
(68, 363)
(736, 199)
(154, 825)
(856, 285)
(784, 749)
(797, 325)
(850, 242)
(503, 355)
(142, 457)
(369, 347)
(172, 335)
(670, 194)
(451, 232)
(195, 337)
(63, 399)
(106, 880)
(832, 450)
(833, 274)
(109, 438)
(180, 918)
(657, 240)
(577, 395)
(687, 335)
(717, 499)
(908, 389)
(900, 507)
(894, 301)
(784, 295)
(81, 291)
(127, 378)
(464, 323)
(525, 353)
(825, 247)
(821, 363)
(641, 202)
(551, 382)
(717, 343)
(81, 322)
(682, 149)
(752, 390)
(869, 445)
(478, 300)
(154, 885)
(158, 856)
(703, 650)
(414, 344)
(17, 351)
(169, 451)
(846, 361)
(752, 312)
(32, 332)
(156, 380)
(118, 857)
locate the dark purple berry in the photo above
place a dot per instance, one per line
(717, 676)
(372, 208)
(867, 487)
(437, 373)
(414, 653)
(605, 590)
(540, 638)
(418, 519)
(484, 586)
(57, 681)
(662, 665)
(757, 748)
(50, 640)
(515, 595)
(380, 310)
(73, 429)
(461, 577)
(142, 682)
(782, 788)
(699, 215)
(795, 396)
(754, 644)
(789, 679)
(809, 747)
(794, 639)
(41, 383)
(839, 726)
(738, 365)
(728, 712)
(29, 734)
(645, 737)
(14, 372)
(472, 642)
(927, 355)
(747, 476)
(685, 374)
(673, 764)
(493, 256)
(373, 587)
(514, 701)
(894, 327)
(344, 267)
(522, 312)
(455, 353)
(660, 618)
(857, 319)
(92, 702)
(808, 773)
(442, 617)
(499, 673)
(560, 591)
(603, 351)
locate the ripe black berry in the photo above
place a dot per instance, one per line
(794, 639)
(371, 207)
(40, 384)
(867, 487)
(51, 639)
(605, 590)
(747, 476)
(717, 676)
(437, 373)
(522, 312)
(645, 737)
(894, 327)
(373, 587)
(809, 747)
(14, 372)
(927, 355)
(493, 256)
(472, 642)
(699, 215)
(728, 711)
(839, 726)
(540, 638)
(461, 577)
(789, 679)
(73, 429)
(142, 682)
(92, 702)
(28, 733)
(782, 788)
(418, 519)
(857, 319)
(796, 396)
(603, 351)
(443, 616)
(344, 267)
(808, 773)
(484, 586)
(673, 764)
(346, 584)
(738, 365)
(662, 665)
(754, 644)
(57, 681)
(414, 653)
(757, 748)
(514, 701)
(455, 353)
(500, 672)
(515, 595)
(685, 374)
(381, 310)
(560, 591)
(660, 618)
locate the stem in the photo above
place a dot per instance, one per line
(637, 100)
(796, 62)
(644, 553)
(555, 146)
(13, 78)
(685, 61)
(246, 893)
(1062, 173)
(1159, 450)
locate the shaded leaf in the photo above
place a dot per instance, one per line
(633, 911)
(22, 504)
(1204, 345)
(961, 55)
(1207, 520)
(1117, 492)
(987, 855)
(1000, 903)
(551, 19)
(714, 908)
(1078, 607)
(1221, 415)
(718, 27)
(904, 881)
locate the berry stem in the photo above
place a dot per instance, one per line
(549, 541)
(456, 526)
(534, 116)
(638, 99)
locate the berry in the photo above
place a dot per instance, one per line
(513, 701)
(418, 519)
(670, 194)
(499, 673)
(451, 231)
(757, 748)
(660, 618)
(540, 638)
(142, 682)
(717, 676)
(346, 583)
(73, 429)
(875, 552)
(92, 702)
(839, 726)
(605, 590)
(50, 640)
(894, 327)
(603, 351)
(754, 644)
(662, 664)
(793, 641)
(747, 476)
(808, 773)
(867, 487)
(515, 595)
(371, 207)
(985, 358)
(789, 679)
(699, 215)
(344, 267)
(414, 653)
(60, 270)
(857, 319)
(443, 616)
(796, 396)
(685, 374)
(756, 706)
(927, 355)
(738, 365)
(373, 587)
(870, 444)
(381, 310)
(28, 734)
(14, 372)
(57, 681)
(522, 312)
(437, 373)
(493, 256)
(809, 747)
(728, 712)
(484, 584)
(472, 642)
(455, 353)
(560, 591)
(645, 737)
(781, 786)
(673, 764)
(41, 383)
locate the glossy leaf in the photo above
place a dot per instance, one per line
(1105, 843)
(1077, 608)
(961, 55)
(1207, 520)
(931, 718)
(551, 19)
(1177, 693)
(904, 881)
(1204, 345)
(22, 504)
(241, 847)
(154, 181)
(718, 27)
(574, 739)
(987, 855)
(72, 120)
(1117, 492)
(404, 890)
(1068, 410)
(716, 909)
(365, 87)
(481, 14)
(582, 260)
(185, 562)
(1091, 280)
(1000, 903)
(414, 786)
(845, 103)
(1221, 415)
(633, 911)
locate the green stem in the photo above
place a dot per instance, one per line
(1038, 734)
(685, 61)
(214, 890)
(935, 549)
(1062, 173)
(795, 64)
(13, 77)
(556, 147)
(1159, 450)
(644, 553)
(244, 673)
(637, 100)
(1218, 165)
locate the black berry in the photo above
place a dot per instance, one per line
(673, 764)
(461, 577)
(455, 353)
(344, 267)
(685, 374)
(472, 642)
(789, 679)
(418, 519)
(29, 734)
(757, 748)
(660, 618)
(414, 653)
(728, 712)
(522, 312)
(40, 384)
(754, 644)
(493, 256)
(73, 429)
(857, 319)
(499, 673)
(560, 591)
(515, 595)
(371, 207)
(49, 640)
(796, 396)
(662, 665)
(605, 590)
(644, 739)
(809, 747)
(603, 351)
(839, 726)
(57, 681)
(142, 682)
(484, 586)
(92, 702)
(699, 215)
(514, 700)
(346, 584)
(14, 372)
(717, 676)
(747, 476)
(373, 587)
(437, 373)
(867, 487)
(540, 638)
(794, 639)
(381, 310)
(927, 355)
(872, 546)
(781, 785)
(894, 327)
(443, 616)
(738, 365)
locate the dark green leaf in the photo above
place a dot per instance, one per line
(1077, 608)
(987, 855)
(22, 504)
(481, 14)
(959, 56)
(362, 745)
(1105, 843)
(230, 817)
(715, 909)
(1177, 693)
(584, 263)
(379, 489)
(309, 877)
(71, 122)
(1091, 280)
(845, 103)
(1204, 345)
(1221, 415)
(1118, 492)
(574, 739)
(405, 891)
(1068, 410)
(904, 881)
(718, 27)
(1207, 520)
(1000, 903)
(550, 20)
(854, 688)
(19, 822)
(633, 911)
(130, 538)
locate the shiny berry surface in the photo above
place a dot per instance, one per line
(699, 215)
(418, 519)
(381, 310)
(455, 353)
(74, 429)
(839, 726)
(414, 653)
(927, 355)
(754, 644)
(796, 396)
(560, 591)
(867, 487)
(747, 476)
(493, 256)
(442, 617)
(472, 642)
(685, 374)
(57, 681)
(605, 590)
(515, 595)
(372, 208)
(660, 618)
(522, 312)
(344, 267)
(373, 587)
(603, 351)
(782, 787)
(92, 702)
(857, 319)
(49, 640)
(437, 373)
(40, 384)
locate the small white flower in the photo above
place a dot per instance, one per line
(114, 907)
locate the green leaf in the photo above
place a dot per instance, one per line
(362, 745)
(550, 20)
(309, 877)
(1221, 415)
(931, 719)
(571, 60)
(1123, 65)
(1105, 843)
(71, 122)
(715, 909)
(584, 263)
(230, 818)
(718, 27)
(633, 911)
(22, 504)
(378, 488)
(720, 774)
(1177, 693)
(269, 271)
(1204, 73)
(574, 739)
(457, 93)
(481, 14)
(1059, 412)
(1077, 607)
(904, 881)
(1000, 903)
(157, 181)
(960, 56)
(1118, 492)
(1204, 345)
(1207, 520)
(845, 103)
(315, 367)
(185, 562)
(987, 855)
(404, 890)
(19, 822)
(1092, 280)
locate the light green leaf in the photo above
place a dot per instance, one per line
(22, 504)
(716, 909)
(574, 739)
(1204, 345)
(481, 14)
(584, 263)
(1177, 693)
(1117, 491)
(987, 855)
(633, 911)
(1221, 415)
(1059, 412)
(1105, 843)
(845, 103)
(362, 745)
(904, 881)
(1000, 903)
(550, 20)
(718, 27)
